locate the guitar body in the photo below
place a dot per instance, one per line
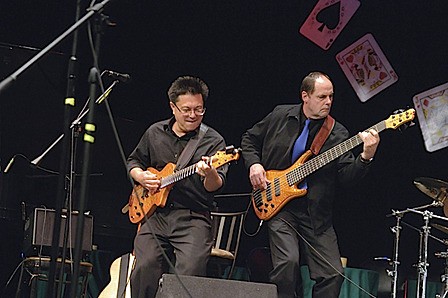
(120, 272)
(141, 202)
(282, 185)
(279, 192)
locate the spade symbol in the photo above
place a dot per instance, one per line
(329, 16)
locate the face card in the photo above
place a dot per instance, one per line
(432, 112)
(327, 20)
(366, 67)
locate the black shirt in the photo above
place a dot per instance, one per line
(159, 146)
(270, 143)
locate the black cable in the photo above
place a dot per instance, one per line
(324, 259)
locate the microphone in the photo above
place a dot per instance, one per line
(37, 160)
(122, 77)
(9, 164)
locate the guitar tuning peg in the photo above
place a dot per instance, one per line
(404, 126)
(398, 111)
(229, 149)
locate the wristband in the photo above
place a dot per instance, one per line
(365, 161)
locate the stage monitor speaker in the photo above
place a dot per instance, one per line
(198, 287)
(39, 230)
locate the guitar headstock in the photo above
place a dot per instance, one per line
(396, 120)
(225, 156)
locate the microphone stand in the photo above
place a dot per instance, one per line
(89, 140)
(4, 84)
(69, 101)
(90, 12)
(62, 187)
(74, 131)
(75, 122)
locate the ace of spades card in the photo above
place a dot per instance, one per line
(366, 67)
(432, 112)
(327, 20)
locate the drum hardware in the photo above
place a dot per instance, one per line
(444, 277)
(397, 230)
(422, 264)
(435, 189)
(423, 251)
(422, 268)
(395, 262)
(443, 255)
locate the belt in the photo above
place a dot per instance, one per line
(172, 206)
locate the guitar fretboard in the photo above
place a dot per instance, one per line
(298, 174)
(176, 176)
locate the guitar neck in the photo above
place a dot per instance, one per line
(312, 165)
(178, 175)
(219, 159)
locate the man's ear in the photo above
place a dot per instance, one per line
(304, 96)
(172, 106)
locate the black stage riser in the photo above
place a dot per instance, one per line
(199, 287)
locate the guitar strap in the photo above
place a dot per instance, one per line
(122, 280)
(322, 135)
(191, 147)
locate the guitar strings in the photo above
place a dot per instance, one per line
(139, 193)
(190, 170)
(302, 171)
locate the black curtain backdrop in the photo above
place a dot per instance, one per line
(253, 58)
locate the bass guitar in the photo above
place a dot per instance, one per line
(142, 204)
(282, 186)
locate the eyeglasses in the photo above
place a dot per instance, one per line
(199, 111)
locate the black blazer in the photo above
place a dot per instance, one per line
(270, 142)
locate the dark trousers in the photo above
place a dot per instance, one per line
(185, 233)
(285, 253)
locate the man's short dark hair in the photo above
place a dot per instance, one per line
(187, 85)
(309, 81)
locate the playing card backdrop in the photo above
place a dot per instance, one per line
(366, 67)
(432, 112)
(327, 20)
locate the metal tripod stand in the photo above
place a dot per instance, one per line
(444, 277)
(422, 265)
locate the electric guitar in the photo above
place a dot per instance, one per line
(143, 204)
(282, 186)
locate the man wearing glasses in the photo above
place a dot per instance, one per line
(183, 227)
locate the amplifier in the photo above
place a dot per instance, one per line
(195, 286)
(39, 229)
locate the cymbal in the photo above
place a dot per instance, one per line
(435, 189)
